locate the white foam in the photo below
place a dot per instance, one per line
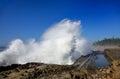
(60, 44)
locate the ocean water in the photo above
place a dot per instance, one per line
(2, 49)
(101, 61)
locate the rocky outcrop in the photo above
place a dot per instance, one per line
(39, 71)
(113, 55)
(46, 71)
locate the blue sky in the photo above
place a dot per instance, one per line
(30, 18)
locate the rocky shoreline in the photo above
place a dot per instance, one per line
(53, 71)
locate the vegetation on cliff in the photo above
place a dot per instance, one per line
(108, 42)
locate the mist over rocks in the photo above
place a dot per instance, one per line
(61, 44)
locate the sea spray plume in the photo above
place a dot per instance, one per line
(60, 44)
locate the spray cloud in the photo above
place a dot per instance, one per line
(60, 44)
